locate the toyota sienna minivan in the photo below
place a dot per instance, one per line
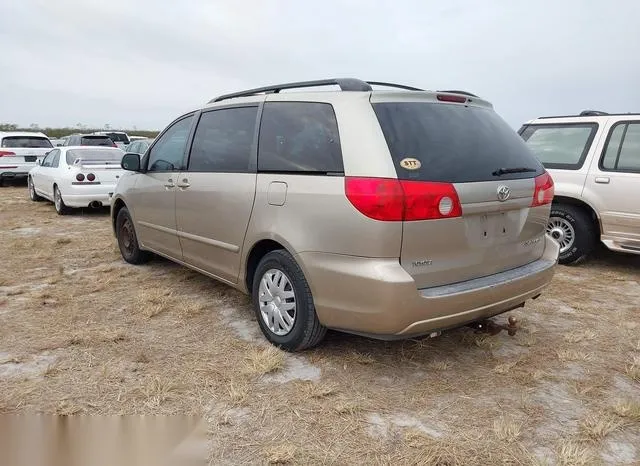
(389, 213)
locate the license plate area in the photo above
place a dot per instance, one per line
(494, 225)
(30, 158)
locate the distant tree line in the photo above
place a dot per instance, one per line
(79, 128)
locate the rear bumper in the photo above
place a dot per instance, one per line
(14, 170)
(82, 196)
(378, 298)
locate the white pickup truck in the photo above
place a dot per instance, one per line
(20, 152)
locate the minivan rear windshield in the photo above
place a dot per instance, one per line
(93, 155)
(453, 143)
(32, 142)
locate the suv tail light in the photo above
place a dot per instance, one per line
(451, 98)
(6, 153)
(543, 193)
(395, 200)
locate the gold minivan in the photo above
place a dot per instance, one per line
(390, 213)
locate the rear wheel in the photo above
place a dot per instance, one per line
(284, 305)
(61, 208)
(572, 228)
(32, 191)
(128, 241)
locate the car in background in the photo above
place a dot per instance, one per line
(424, 211)
(139, 146)
(76, 176)
(20, 151)
(89, 140)
(119, 137)
(57, 142)
(594, 159)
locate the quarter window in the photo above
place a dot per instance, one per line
(299, 137)
(168, 153)
(223, 140)
(562, 146)
(622, 152)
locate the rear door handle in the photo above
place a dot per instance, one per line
(184, 184)
(602, 179)
(169, 184)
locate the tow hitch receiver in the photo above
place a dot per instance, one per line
(493, 328)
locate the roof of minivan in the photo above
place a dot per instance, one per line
(337, 96)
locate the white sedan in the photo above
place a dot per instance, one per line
(76, 177)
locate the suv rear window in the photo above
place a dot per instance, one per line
(32, 142)
(299, 137)
(454, 143)
(563, 146)
(96, 141)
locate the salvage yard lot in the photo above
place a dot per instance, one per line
(83, 332)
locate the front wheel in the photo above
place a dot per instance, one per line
(128, 241)
(283, 303)
(572, 228)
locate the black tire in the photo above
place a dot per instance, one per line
(584, 230)
(128, 240)
(58, 203)
(32, 192)
(307, 331)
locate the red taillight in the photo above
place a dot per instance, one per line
(543, 193)
(424, 200)
(377, 198)
(397, 200)
(91, 177)
(80, 177)
(451, 98)
(6, 153)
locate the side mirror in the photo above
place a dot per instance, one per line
(131, 162)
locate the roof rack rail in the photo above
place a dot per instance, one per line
(460, 92)
(398, 86)
(345, 84)
(592, 113)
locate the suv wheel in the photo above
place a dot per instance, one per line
(284, 305)
(32, 191)
(128, 241)
(61, 208)
(573, 229)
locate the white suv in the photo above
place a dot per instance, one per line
(594, 159)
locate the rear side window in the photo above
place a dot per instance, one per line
(223, 140)
(26, 142)
(299, 137)
(96, 141)
(453, 143)
(622, 151)
(563, 146)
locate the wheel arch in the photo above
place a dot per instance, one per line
(585, 206)
(117, 206)
(259, 249)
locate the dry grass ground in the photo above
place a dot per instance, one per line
(83, 332)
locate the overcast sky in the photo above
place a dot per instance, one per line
(143, 62)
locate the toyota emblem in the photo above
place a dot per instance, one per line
(503, 193)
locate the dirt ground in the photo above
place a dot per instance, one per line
(83, 332)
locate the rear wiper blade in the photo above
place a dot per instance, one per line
(506, 171)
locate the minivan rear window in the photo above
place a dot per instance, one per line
(453, 143)
(563, 146)
(31, 142)
(299, 137)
